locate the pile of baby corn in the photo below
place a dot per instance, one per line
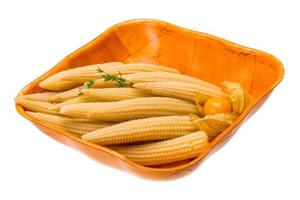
(149, 113)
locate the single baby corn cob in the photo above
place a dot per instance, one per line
(37, 106)
(82, 78)
(114, 94)
(63, 96)
(168, 151)
(133, 109)
(80, 110)
(148, 129)
(166, 76)
(58, 85)
(141, 108)
(239, 98)
(56, 82)
(181, 90)
(75, 100)
(43, 96)
(136, 67)
(115, 70)
(74, 125)
(214, 124)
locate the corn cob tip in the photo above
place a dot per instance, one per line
(167, 151)
(147, 129)
(64, 109)
(76, 126)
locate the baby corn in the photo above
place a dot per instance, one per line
(114, 94)
(37, 106)
(63, 96)
(157, 153)
(56, 82)
(146, 67)
(44, 96)
(181, 90)
(75, 100)
(118, 69)
(148, 129)
(80, 110)
(165, 76)
(140, 108)
(82, 78)
(101, 83)
(74, 125)
(131, 109)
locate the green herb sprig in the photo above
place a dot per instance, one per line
(87, 85)
(120, 81)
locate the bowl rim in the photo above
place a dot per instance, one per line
(137, 166)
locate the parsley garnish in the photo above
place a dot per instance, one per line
(89, 84)
(120, 82)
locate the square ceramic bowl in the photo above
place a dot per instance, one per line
(197, 54)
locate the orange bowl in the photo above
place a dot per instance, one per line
(197, 54)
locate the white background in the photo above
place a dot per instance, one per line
(262, 159)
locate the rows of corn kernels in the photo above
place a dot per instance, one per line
(151, 114)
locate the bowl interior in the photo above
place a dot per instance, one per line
(193, 53)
